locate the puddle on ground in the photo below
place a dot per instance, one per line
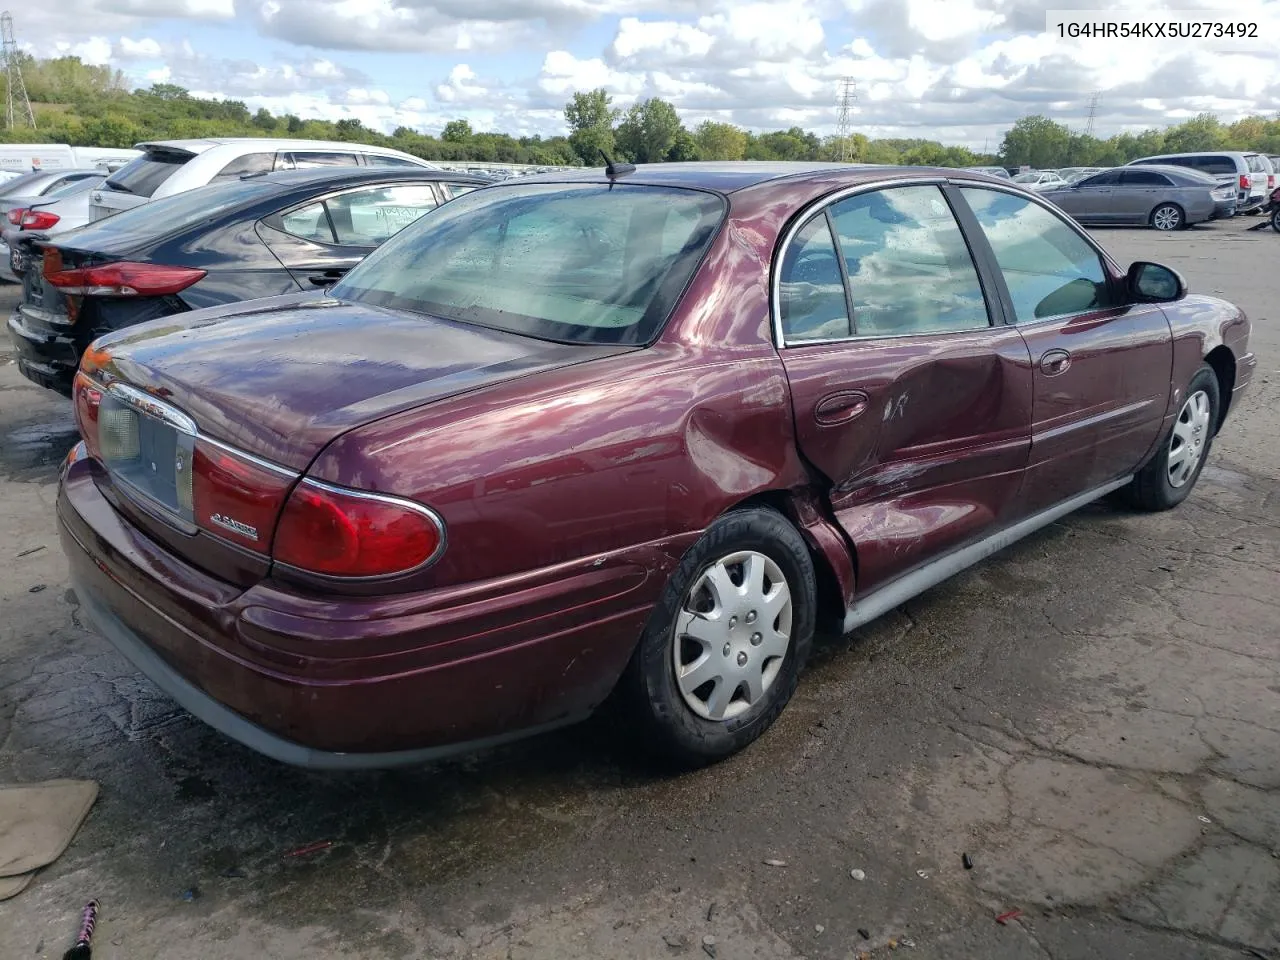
(33, 451)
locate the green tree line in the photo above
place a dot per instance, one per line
(88, 105)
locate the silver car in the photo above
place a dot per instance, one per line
(1166, 198)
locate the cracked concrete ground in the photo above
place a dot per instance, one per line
(1092, 715)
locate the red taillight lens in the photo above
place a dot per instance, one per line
(86, 399)
(1244, 181)
(118, 279)
(38, 220)
(15, 215)
(1271, 180)
(347, 533)
(236, 498)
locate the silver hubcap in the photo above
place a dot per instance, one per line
(731, 635)
(1190, 433)
(1166, 218)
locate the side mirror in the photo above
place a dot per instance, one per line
(1155, 283)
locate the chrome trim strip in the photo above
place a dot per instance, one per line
(436, 520)
(897, 592)
(144, 402)
(255, 460)
(1092, 421)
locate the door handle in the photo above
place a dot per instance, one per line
(840, 407)
(1055, 362)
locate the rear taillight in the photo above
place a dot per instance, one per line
(235, 497)
(38, 220)
(1244, 181)
(86, 398)
(118, 279)
(15, 215)
(1271, 181)
(348, 533)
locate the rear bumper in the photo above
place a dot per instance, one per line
(45, 356)
(1224, 209)
(369, 682)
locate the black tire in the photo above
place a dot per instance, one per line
(665, 724)
(1275, 219)
(1169, 213)
(1152, 488)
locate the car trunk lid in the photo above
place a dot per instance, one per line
(280, 378)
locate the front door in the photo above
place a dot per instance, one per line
(1092, 199)
(908, 397)
(1101, 367)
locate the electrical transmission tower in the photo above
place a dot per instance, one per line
(13, 73)
(844, 121)
(1093, 112)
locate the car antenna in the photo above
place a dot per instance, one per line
(614, 169)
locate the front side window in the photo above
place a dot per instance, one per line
(367, 217)
(1108, 178)
(1049, 268)
(589, 263)
(909, 268)
(811, 293)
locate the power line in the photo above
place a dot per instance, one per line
(13, 72)
(844, 119)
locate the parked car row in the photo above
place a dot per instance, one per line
(632, 433)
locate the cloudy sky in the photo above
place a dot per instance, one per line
(957, 70)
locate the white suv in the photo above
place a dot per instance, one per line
(167, 167)
(1248, 171)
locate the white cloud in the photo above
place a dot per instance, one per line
(957, 69)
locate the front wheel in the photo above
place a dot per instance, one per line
(723, 649)
(1167, 480)
(1275, 218)
(1168, 216)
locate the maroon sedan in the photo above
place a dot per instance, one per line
(636, 431)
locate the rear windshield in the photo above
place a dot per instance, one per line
(143, 175)
(75, 186)
(1257, 163)
(16, 186)
(167, 215)
(574, 263)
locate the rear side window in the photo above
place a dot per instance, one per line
(379, 160)
(909, 268)
(367, 217)
(250, 163)
(587, 263)
(458, 189)
(1144, 178)
(143, 175)
(811, 293)
(308, 223)
(1256, 164)
(304, 161)
(1049, 268)
(1215, 166)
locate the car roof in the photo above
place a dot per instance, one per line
(1195, 153)
(201, 144)
(730, 176)
(341, 176)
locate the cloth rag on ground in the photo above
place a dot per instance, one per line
(37, 823)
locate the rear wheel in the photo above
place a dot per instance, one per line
(724, 647)
(1167, 480)
(1168, 216)
(1275, 219)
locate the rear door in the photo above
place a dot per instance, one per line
(1139, 193)
(1101, 368)
(909, 395)
(319, 241)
